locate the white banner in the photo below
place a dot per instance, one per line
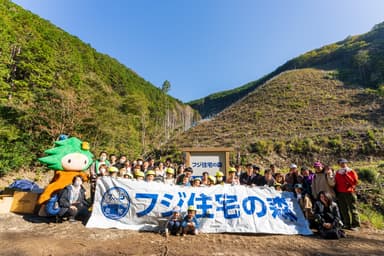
(138, 205)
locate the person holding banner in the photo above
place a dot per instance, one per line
(169, 173)
(190, 224)
(219, 178)
(232, 178)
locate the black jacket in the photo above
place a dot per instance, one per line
(65, 194)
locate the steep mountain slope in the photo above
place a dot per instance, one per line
(357, 60)
(53, 83)
(301, 115)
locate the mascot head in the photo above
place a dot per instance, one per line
(68, 155)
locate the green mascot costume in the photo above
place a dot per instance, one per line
(70, 157)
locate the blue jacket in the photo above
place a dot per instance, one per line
(186, 220)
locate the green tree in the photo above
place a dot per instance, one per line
(166, 87)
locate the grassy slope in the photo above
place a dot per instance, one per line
(357, 59)
(301, 114)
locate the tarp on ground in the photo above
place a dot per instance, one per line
(139, 205)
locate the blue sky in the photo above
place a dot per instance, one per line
(207, 46)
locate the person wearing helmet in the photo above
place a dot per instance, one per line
(128, 176)
(139, 175)
(150, 176)
(173, 226)
(196, 182)
(211, 181)
(169, 173)
(113, 171)
(232, 178)
(190, 224)
(219, 178)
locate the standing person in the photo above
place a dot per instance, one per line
(307, 179)
(72, 200)
(101, 160)
(219, 178)
(324, 180)
(112, 159)
(238, 170)
(232, 178)
(169, 176)
(272, 167)
(346, 181)
(151, 163)
(204, 180)
(120, 164)
(292, 178)
(267, 179)
(96, 171)
(249, 177)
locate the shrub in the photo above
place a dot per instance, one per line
(261, 147)
(367, 175)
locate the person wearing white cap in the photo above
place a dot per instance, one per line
(293, 177)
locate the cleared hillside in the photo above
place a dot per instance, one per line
(300, 115)
(355, 60)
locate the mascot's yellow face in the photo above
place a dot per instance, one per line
(75, 162)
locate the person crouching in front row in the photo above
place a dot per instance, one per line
(72, 201)
(173, 226)
(190, 224)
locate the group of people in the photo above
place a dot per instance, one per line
(326, 197)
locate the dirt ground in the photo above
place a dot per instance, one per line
(31, 235)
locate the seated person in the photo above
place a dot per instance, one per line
(190, 225)
(327, 217)
(174, 223)
(72, 201)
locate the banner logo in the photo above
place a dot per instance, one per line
(115, 203)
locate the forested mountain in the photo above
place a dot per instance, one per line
(356, 60)
(52, 83)
(300, 116)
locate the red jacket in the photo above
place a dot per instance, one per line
(346, 181)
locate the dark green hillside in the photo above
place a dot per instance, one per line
(53, 83)
(300, 116)
(357, 60)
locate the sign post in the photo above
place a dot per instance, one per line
(208, 160)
